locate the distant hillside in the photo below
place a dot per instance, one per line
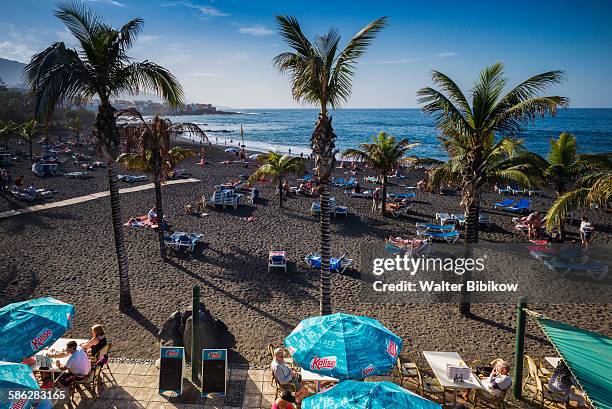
(10, 72)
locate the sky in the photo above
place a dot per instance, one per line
(222, 50)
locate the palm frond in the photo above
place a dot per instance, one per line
(129, 32)
(81, 21)
(149, 77)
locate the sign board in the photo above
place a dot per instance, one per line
(214, 371)
(458, 373)
(171, 370)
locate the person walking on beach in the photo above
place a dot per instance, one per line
(376, 200)
(586, 231)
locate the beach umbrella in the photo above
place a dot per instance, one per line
(231, 150)
(15, 377)
(371, 395)
(254, 156)
(344, 346)
(29, 326)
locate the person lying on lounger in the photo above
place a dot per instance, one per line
(533, 222)
(152, 215)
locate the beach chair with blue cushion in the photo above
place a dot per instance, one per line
(504, 203)
(277, 259)
(350, 183)
(402, 196)
(231, 198)
(522, 206)
(435, 227)
(216, 199)
(335, 264)
(448, 236)
(315, 208)
(339, 182)
(182, 241)
(341, 211)
(483, 218)
(594, 269)
(502, 190)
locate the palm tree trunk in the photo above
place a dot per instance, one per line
(125, 297)
(160, 218)
(280, 191)
(325, 306)
(471, 202)
(323, 149)
(384, 195)
(30, 147)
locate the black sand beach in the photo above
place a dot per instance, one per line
(68, 253)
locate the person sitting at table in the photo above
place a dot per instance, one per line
(497, 382)
(284, 401)
(77, 367)
(97, 341)
(284, 374)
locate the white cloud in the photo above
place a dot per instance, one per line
(203, 74)
(147, 38)
(256, 30)
(113, 2)
(398, 61)
(206, 10)
(14, 51)
(446, 54)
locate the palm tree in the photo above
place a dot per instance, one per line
(29, 130)
(321, 75)
(474, 127)
(155, 155)
(75, 125)
(384, 154)
(595, 186)
(100, 66)
(7, 130)
(277, 166)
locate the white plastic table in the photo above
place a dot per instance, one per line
(553, 360)
(308, 376)
(438, 361)
(56, 348)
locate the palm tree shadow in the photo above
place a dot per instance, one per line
(143, 321)
(505, 328)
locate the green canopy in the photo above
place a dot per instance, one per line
(588, 355)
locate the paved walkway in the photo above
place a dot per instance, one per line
(135, 386)
(87, 198)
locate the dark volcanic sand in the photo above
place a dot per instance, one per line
(68, 253)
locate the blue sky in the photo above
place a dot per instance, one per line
(222, 50)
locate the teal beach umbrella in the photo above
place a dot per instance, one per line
(344, 346)
(29, 326)
(15, 377)
(371, 395)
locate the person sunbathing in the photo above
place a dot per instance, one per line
(152, 215)
(97, 341)
(533, 222)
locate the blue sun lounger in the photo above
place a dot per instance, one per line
(435, 227)
(180, 240)
(504, 203)
(448, 236)
(402, 195)
(594, 269)
(339, 182)
(522, 206)
(335, 264)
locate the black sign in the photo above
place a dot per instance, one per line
(171, 370)
(214, 371)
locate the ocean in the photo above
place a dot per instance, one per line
(284, 129)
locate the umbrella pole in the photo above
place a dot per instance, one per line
(195, 321)
(519, 349)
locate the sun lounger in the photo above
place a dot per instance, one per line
(350, 183)
(339, 182)
(416, 247)
(569, 254)
(131, 178)
(335, 264)
(502, 190)
(515, 190)
(594, 269)
(364, 194)
(483, 218)
(444, 218)
(371, 179)
(341, 210)
(533, 192)
(181, 241)
(448, 236)
(504, 203)
(315, 208)
(435, 227)
(402, 196)
(231, 199)
(77, 175)
(397, 211)
(277, 259)
(522, 206)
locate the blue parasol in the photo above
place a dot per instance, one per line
(371, 395)
(15, 377)
(344, 346)
(29, 326)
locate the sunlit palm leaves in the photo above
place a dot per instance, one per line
(276, 167)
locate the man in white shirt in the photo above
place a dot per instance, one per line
(78, 364)
(499, 380)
